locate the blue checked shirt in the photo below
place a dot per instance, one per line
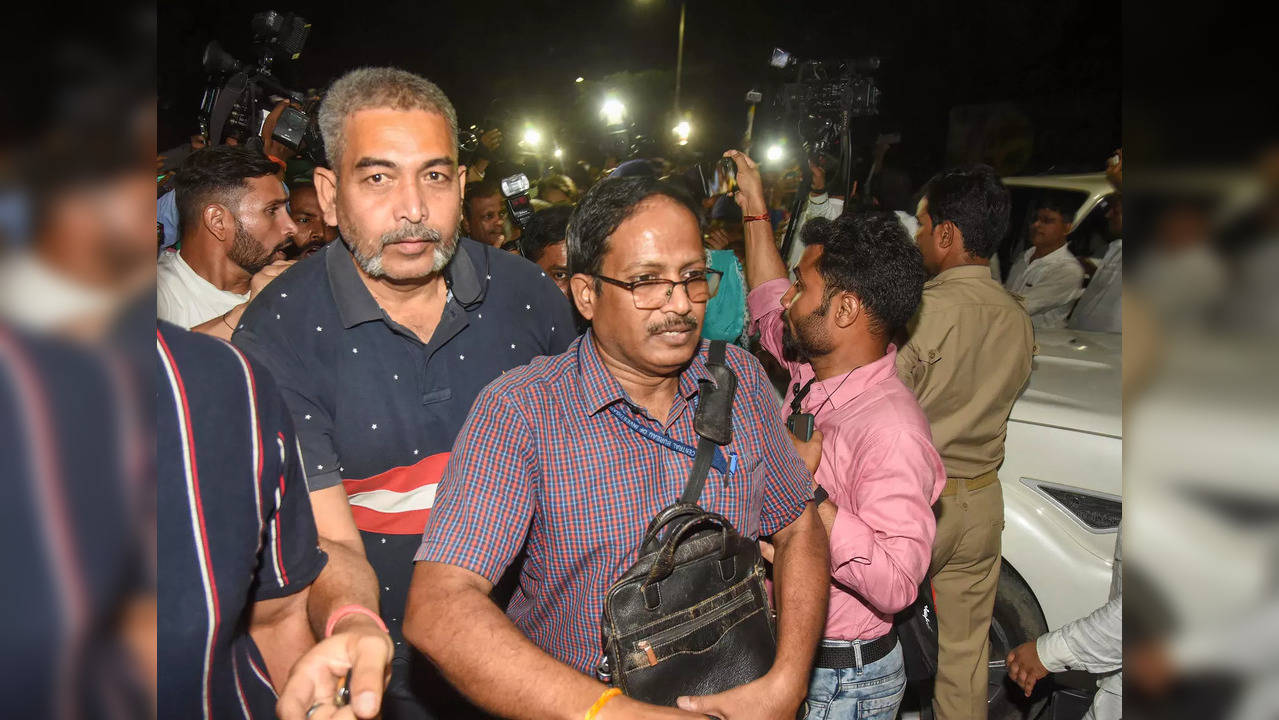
(541, 459)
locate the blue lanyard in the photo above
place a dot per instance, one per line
(726, 467)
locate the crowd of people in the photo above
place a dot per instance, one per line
(406, 482)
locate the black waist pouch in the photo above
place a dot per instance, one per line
(691, 616)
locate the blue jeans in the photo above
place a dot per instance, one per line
(870, 692)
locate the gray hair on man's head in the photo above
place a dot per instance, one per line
(378, 88)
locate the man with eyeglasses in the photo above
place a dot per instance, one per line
(557, 458)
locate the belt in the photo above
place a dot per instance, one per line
(836, 658)
(977, 483)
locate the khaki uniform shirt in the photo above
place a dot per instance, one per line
(967, 358)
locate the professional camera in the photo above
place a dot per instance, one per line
(824, 95)
(820, 103)
(239, 95)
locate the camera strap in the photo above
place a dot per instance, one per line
(800, 394)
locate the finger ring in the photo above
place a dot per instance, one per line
(314, 707)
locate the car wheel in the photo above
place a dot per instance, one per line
(1017, 619)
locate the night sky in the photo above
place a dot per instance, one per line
(1056, 64)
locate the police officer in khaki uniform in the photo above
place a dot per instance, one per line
(967, 357)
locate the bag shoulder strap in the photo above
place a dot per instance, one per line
(706, 446)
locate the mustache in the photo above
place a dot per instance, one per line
(411, 231)
(678, 323)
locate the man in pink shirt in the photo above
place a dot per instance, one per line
(859, 280)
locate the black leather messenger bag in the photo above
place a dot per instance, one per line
(691, 616)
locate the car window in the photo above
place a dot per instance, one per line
(1022, 212)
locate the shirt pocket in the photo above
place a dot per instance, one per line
(927, 358)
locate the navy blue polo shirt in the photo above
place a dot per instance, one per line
(376, 408)
(235, 524)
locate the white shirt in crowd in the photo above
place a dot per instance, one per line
(1099, 308)
(186, 299)
(1049, 285)
(824, 206)
(36, 296)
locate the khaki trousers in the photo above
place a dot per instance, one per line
(965, 575)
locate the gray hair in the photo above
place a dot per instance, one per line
(374, 88)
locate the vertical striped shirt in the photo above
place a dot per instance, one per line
(235, 524)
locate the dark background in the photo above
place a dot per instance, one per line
(1031, 87)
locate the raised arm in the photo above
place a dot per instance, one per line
(763, 261)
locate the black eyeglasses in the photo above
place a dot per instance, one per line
(653, 294)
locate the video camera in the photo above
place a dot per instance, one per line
(821, 94)
(820, 103)
(238, 98)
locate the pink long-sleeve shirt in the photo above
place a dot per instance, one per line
(880, 469)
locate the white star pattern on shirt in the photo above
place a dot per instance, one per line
(284, 294)
(373, 426)
(397, 377)
(277, 316)
(543, 274)
(512, 346)
(318, 328)
(306, 417)
(528, 307)
(461, 357)
(481, 315)
(415, 452)
(355, 350)
(488, 277)
(319, 467)
(552, 328)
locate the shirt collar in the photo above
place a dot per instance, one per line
(601, 389)
(356, 304)
(842, 389)
(1058, 254)
(958, 272)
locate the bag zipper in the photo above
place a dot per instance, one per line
(692, 626)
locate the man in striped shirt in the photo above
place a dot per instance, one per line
(556, 457)
(243, 590)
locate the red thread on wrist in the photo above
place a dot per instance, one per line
(748, 218)
(351, 610)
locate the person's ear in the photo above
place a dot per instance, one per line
(946, 235)
(1069, 225)
(218, 221)
(582, 291)
(847, 310)
(326, 192)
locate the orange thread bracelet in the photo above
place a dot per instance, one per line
(607, 695)
(748, 218)
(351, 610)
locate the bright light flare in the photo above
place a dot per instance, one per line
(774, 153)
(580, 79)
(532, 137)
(558, 153)
(613, 110)
(682, 131)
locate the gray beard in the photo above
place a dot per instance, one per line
(372, 264)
